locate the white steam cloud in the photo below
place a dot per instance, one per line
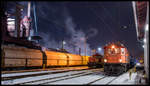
(77, 40)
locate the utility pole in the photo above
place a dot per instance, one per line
(63, 43)
(85, 45)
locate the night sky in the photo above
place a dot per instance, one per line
(98, 22)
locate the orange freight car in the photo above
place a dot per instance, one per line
(14, 57)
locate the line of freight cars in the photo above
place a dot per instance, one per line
(14, 57)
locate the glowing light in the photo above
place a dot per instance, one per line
(144, 40)
(146, 27)
(120, 60)
(105, 60)
(113, 46)
(99, 49)
(64, 42)
(10, 19)
(143, 46)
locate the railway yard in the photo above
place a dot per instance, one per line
(66, 75)
(61, 43)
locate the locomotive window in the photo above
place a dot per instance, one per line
(113, 51)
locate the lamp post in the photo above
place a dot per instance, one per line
(63, 43)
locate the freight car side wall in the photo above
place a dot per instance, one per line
(21, 57)
(56, 58)
(13, 56)
(85, 60)
(64, 59)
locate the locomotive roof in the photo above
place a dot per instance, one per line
(116, 44)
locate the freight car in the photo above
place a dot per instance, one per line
(95, 61)
(116, 58)
(14, 57)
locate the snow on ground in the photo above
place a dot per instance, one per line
(103, 81)
(55, 79)
(124, 79)
(27, 73)
(28, 79)
(79, 80)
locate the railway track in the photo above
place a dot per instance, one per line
(37, 74)
(108, 83)
(65, 78)
(111, 80)
(52, 78)
(47, 69)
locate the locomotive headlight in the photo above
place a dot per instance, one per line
(120, 60)
(105, 60)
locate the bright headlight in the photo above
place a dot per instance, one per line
(120, 60)
(138, 64)
(105, 60)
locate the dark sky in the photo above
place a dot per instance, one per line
(101, 22)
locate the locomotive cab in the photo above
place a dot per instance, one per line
(116, 58)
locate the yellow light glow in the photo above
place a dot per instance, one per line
(113, 46)
(105, 60)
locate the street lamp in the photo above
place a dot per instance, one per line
(143, 46)
(63, 43)
(99, 49)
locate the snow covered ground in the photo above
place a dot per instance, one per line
(28, 79)
(124, 79)
(96, 78)
(27, 73)
(44, 71)
(121, 80)
(79, 80)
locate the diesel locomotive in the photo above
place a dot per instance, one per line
(116, 58)
(95, 61)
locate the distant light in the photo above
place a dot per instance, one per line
(143, 46)
(146, 27)
(64, 42)
(99, 49)
(10, 19)
(137, 64)
(29, 38)
(144, 40)
(11, 23)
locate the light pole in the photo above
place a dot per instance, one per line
(63, 43)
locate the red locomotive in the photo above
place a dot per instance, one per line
(116, 58)
(95, 61)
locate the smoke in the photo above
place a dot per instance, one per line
(92, 32)
(48, 41)
(77, 38)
